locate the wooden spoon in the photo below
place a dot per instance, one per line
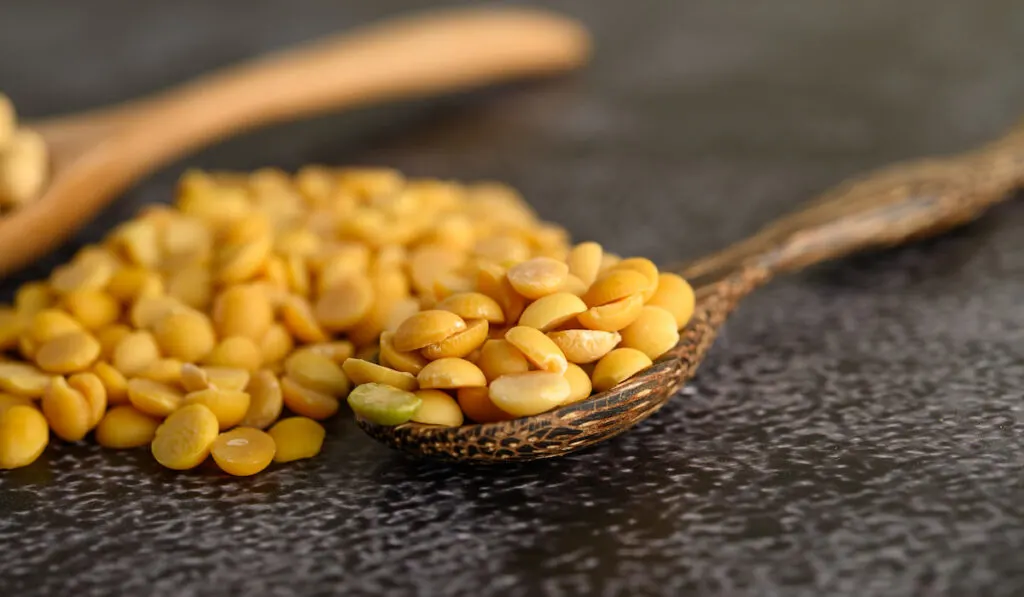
(885, 208)
(99, 153)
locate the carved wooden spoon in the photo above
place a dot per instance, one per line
(99, 153)
(885, 208)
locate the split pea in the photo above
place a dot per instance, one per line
(618, 366)
(66, 410)
(551, 311)
(459, 344)
(585, 346)
(308, 402)
(526, 394)
(653, 333)
(538, 277)
(183, 440)
(125, 427)
(23, 436)
(229, 406)
(477, 405)
(499, 357)
(427, 327)
(537, 348)
(361, 371)
(437, 408)
(296, 438)
(449, 374)
(265, 400)
(244, 451)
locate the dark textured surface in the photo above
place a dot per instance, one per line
(856, 430)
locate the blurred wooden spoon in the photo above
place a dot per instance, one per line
(97, 154)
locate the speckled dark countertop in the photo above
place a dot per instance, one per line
(856, 431)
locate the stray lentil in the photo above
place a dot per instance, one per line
(244, 451)
(296, 438)
(183, 440)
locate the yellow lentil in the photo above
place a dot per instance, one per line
(584, 261)
(265, 400)
(187, 335)
(113, 381)
(237, 352)
(307, 402)
(616, 285)
(551, 311)
(317, 372)
(298, 317)
(427, 327)
(22, 379)
(499, 357)
(94, 392)
(68, 353)
(531, 393)
(614, 316)
(154, 398)
(150, 310)
(183, 440)
(406, 361)
(451, 373)
(50, 323)
(124, 427)
(12, 324)
(297, 438)
(23, 436)
(244, 451)
(459, 344)
(243, 310)
(343, 305)
(32, 298)
(361, 371)
(579, 383)
(276, 344)
(537, 348)
(195, 378)
(538, 277)
(66, 410)
(653, 333)
(131, 284)
(618, 366)
(473, 305)
(437, 408)
(477, 405)
(585, 346)
(134, 352)
(109, 337)
(93, 308)
(675, 295)
(9, 400)
(337, 351)
(229, 406)
(645, 267)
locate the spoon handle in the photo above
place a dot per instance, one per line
(903, 202)
(436, 52)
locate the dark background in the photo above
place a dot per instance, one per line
(856, 430)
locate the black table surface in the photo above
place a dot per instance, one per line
(855, 430)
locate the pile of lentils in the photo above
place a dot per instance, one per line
(231, 324)
(24, 160)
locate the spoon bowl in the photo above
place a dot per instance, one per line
(885, 208)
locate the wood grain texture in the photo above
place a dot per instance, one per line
(893, 205)
(97, 154)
